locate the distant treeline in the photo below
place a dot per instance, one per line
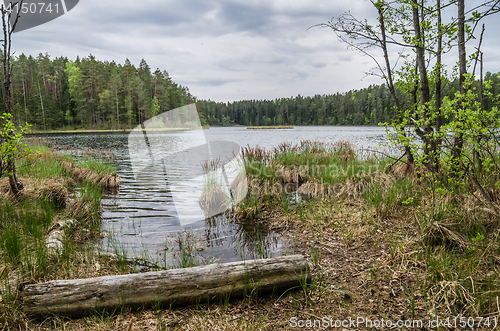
(368, 106)
(87, 93)
(91, 94)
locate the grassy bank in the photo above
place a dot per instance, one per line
(59, 191)
(383, 242)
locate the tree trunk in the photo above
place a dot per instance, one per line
(478, 159)
(117, 113)
(424, 83)
(456, 150)
(439, 120)
(170, 287)
(461, 45)
(15, 184)
(409, 155)
(430, 148)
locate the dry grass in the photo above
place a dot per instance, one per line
(415, 235)
(314, 189)
(27, 219)
(379, 248)
(55, 190)
(452, 295)
(363, 265)
(441, 234)
(404, 170)
(255, 153)
(290, 175)
(213, 201)
(110, 182)
(82, 208)
(107, 181)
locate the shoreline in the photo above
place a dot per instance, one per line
(367, 232)
(205, 127)
(278, 127)
(35, 132)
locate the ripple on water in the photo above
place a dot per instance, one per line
(141, 220)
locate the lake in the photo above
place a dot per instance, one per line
(142, 219)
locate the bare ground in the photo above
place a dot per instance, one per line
(361, 271)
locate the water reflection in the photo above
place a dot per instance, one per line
(142, 220)
(244, 239)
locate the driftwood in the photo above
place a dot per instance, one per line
(170, 287)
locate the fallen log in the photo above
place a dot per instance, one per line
(169, 287)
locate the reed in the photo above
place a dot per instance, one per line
(51, 194)
(383, 240)
(449, 230)
(87, 166)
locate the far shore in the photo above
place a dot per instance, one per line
(277, 127)
(205, 127)
(107, 130)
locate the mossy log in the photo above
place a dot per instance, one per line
(202, 284)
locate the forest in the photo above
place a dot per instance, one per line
(91, 94)
(369, 106)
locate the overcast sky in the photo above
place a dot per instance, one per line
(222, 50)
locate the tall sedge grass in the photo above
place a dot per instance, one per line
(312, 168)
(40, 167)
(22, 235)
(436, 245)
(446, 224)
(99, 166)
(46, 164)
(26, 220)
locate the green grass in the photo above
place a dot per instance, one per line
(42, 168)
(99, 166)
(23, 228)
(327, 163)
(22, 234)
(392, 214)
(186, 256)
(25, 221)
(47, 164)
(397, 197)
(458, 260)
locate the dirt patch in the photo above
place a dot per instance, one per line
(354, 275)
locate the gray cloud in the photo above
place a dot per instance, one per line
(222, 50)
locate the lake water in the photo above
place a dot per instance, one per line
(142, 218)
